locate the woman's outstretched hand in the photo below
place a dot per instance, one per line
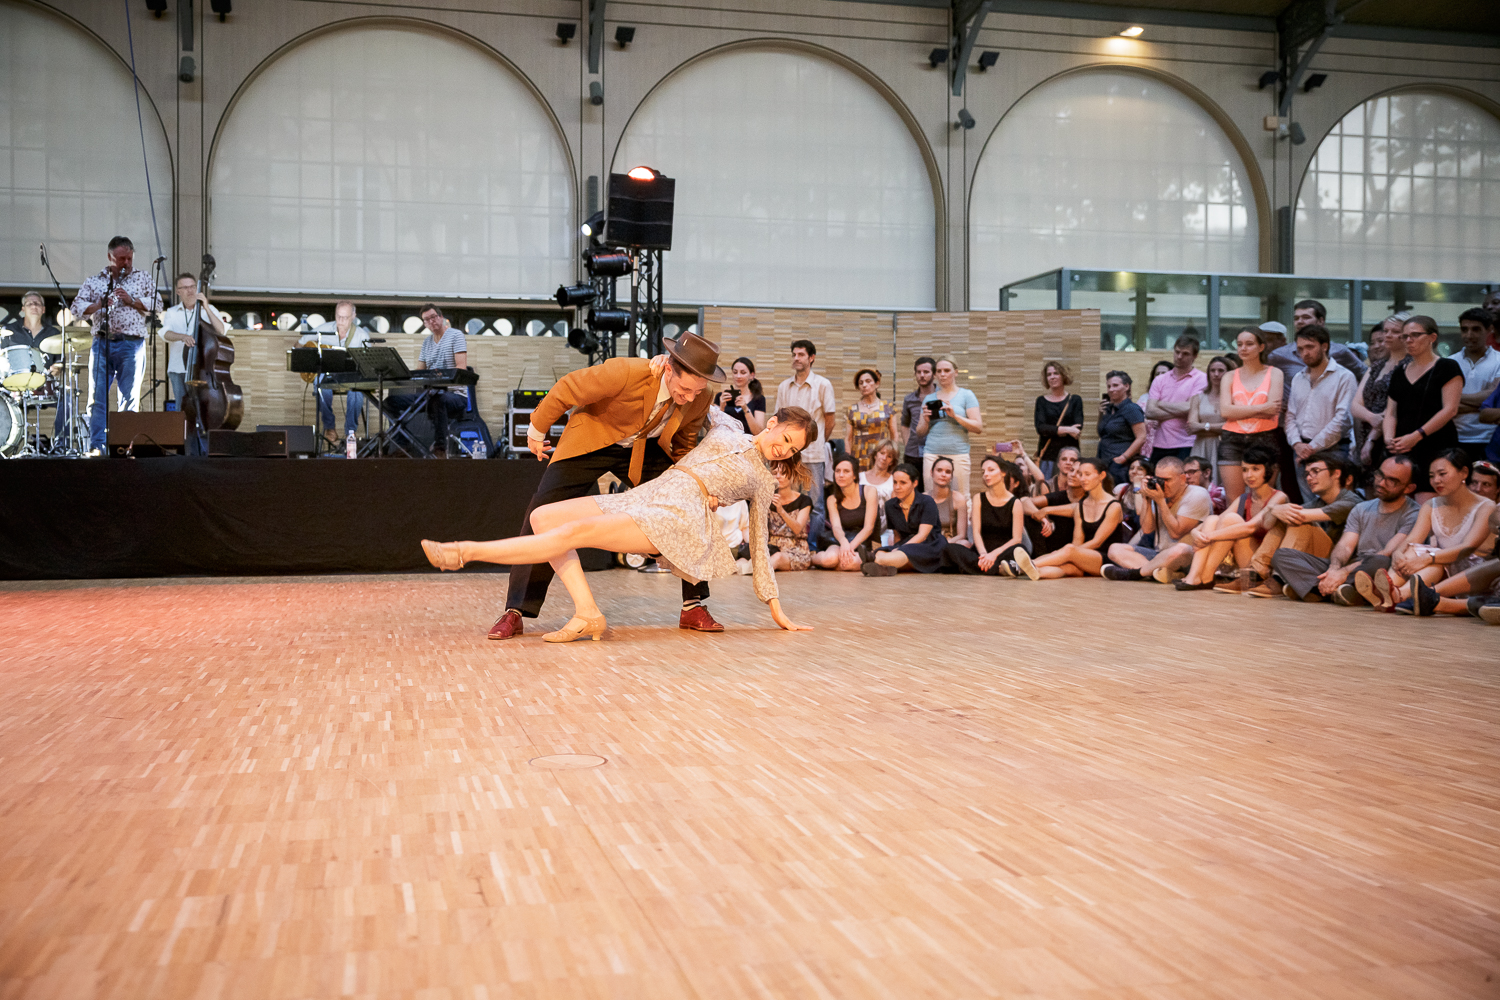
(781, 619)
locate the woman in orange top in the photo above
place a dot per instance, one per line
(1250, 403)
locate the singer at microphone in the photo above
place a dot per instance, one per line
(116, 302)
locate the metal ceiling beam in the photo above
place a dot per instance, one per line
(1302, 22)
(968, 18)
(596, 34)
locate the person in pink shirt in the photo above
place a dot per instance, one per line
(1172, 394)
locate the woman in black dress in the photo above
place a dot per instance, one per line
(852, 518)
(1424, 398)
(1100, 522)
(913, 516)
(1058, 416)
(997, 521)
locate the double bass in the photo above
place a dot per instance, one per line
(214, 399)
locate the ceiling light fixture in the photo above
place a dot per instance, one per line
(1134, 31)
(937, 57)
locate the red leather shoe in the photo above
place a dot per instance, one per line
(699, 620)
(507, 626)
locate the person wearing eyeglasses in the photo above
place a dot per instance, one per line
(1424, 400)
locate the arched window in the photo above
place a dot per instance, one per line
(1404, 186)
(797, 184)
(387, 159)
(71, 142)
(1112, 170)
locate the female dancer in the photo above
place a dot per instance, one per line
(669, 517)
(1098, 523)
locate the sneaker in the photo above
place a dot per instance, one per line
(1265, 590)
(875, 569)
(1112, 572)
(1023, 563)
(1490, 613)
(1424, 599)
(1347, 596)
(1404, 607)
(1007, 569)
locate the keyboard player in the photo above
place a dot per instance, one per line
(444, 347)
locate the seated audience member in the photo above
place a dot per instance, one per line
(1098, 523)
(913, 519)
(852, 519)
(1169, 509)
(1449, 531)
(1484, 479)
(1057, 415)
(1375, 530)
(953, 507)
(1312, 527)
(1476, 591)
(1129, 492)
(1234, 534)
(1033, 479)
(787, 531)
(1049, 518)
(1199, 472)
(878, 478)
(1068, 458)
(995, 523)
(1121, 427)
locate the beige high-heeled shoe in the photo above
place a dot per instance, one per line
(578, 627)
(443, 555)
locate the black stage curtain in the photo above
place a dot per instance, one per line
(103, 518)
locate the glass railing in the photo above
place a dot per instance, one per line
(1149, 310)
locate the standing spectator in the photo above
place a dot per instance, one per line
(1171, 401)
(743, 399)
(1375, 388)
(1489, 414)
(787, 526)
(953, 506)
(852, 519)
(1098, 523)
(1449, 530)
(872, 421)
(996, 523)
(1284, 357)
(1249, 400)
(813, 393)
(1199, 473)
(1172, 509)
(1235, 534)
(1312, 527)
(1144, 402)
(1318, 416)
(1481, 367)
(949, 415)
(1424, 398)
(1122, 426)
(924, 371)
(913, 518)
(1204, 419)
(1375, 530)
(1058, 416)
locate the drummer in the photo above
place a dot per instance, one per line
(30, 328)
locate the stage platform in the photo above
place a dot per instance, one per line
(146, 517)
(954, 788)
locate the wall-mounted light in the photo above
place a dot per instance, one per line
(596, 92)
(1267, 78)
(965, 120)
(221, 7)
(1294, 132)
(987, 59)
(565, 31)
(1313, 82)
(937, 57)
(1134, 31)
(156, 7)
(624, 35)
(186, 69)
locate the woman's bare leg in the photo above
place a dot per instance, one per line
(1233, 480)
(897, 559)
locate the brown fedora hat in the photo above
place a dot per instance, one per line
(699, 356)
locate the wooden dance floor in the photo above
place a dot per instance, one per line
(325, 787)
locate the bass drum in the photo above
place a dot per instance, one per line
(12, 428)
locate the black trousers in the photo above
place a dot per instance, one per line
(963, 559)
(441, 407)
(573, 477)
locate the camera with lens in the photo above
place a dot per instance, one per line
(1153, 482)
(935, 407)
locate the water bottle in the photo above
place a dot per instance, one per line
(351, 450)
(478, 451)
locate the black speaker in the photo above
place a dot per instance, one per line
(239, 444)
(146, 434)
(300, 438)
(640, 210)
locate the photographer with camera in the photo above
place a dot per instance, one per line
(1170, 510)
(742, 399)
(949, 416)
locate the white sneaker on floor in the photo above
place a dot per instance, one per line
(1025, 565)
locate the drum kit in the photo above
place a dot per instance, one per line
(28, 386)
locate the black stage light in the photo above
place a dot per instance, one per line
(606, 263)
(574, 295)
(937, 57)
(624, 35)
(1313, 82)
(987, 59)
(609, 320)
(156, 7)
(640, 209)
(565, 31)
(596, 92)
(1267, 78)
(593, 226)
(584, 340)
(1294, 132)
(965, 120)
(221, 7)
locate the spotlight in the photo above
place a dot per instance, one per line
(186, 68)
(965, 120)
(1267, 78)
(1313, 82)
(937, 57)
(584, 340)
(1134, 31)
(565, 31)
(641, 174)
(624, 35)
(987, 59)
(156, 7)
(221, 7)
(609, 320)
(596, 93)
(606, 263)
(593, 227)
(1295, 133)
(574, 295)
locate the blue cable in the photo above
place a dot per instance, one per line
(141, 123)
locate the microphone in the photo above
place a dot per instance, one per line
(157, 261)
(43, 247)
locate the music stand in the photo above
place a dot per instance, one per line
(381, 365)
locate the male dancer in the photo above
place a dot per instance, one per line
(629, 418)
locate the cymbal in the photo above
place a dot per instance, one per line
(54, 343)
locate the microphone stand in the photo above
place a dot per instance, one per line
(70, 380)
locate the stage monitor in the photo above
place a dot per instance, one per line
(640, 210)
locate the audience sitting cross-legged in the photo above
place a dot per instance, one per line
(1234, 535)
(1200, 472)
(953, 506)
(1049, 517)
(1312, 527)
(787, 528)
(1375, 530)
(1169, 510)
(913, 518)
(995, 523)
(852, 520)
(1098, 523)
(1475, 590)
